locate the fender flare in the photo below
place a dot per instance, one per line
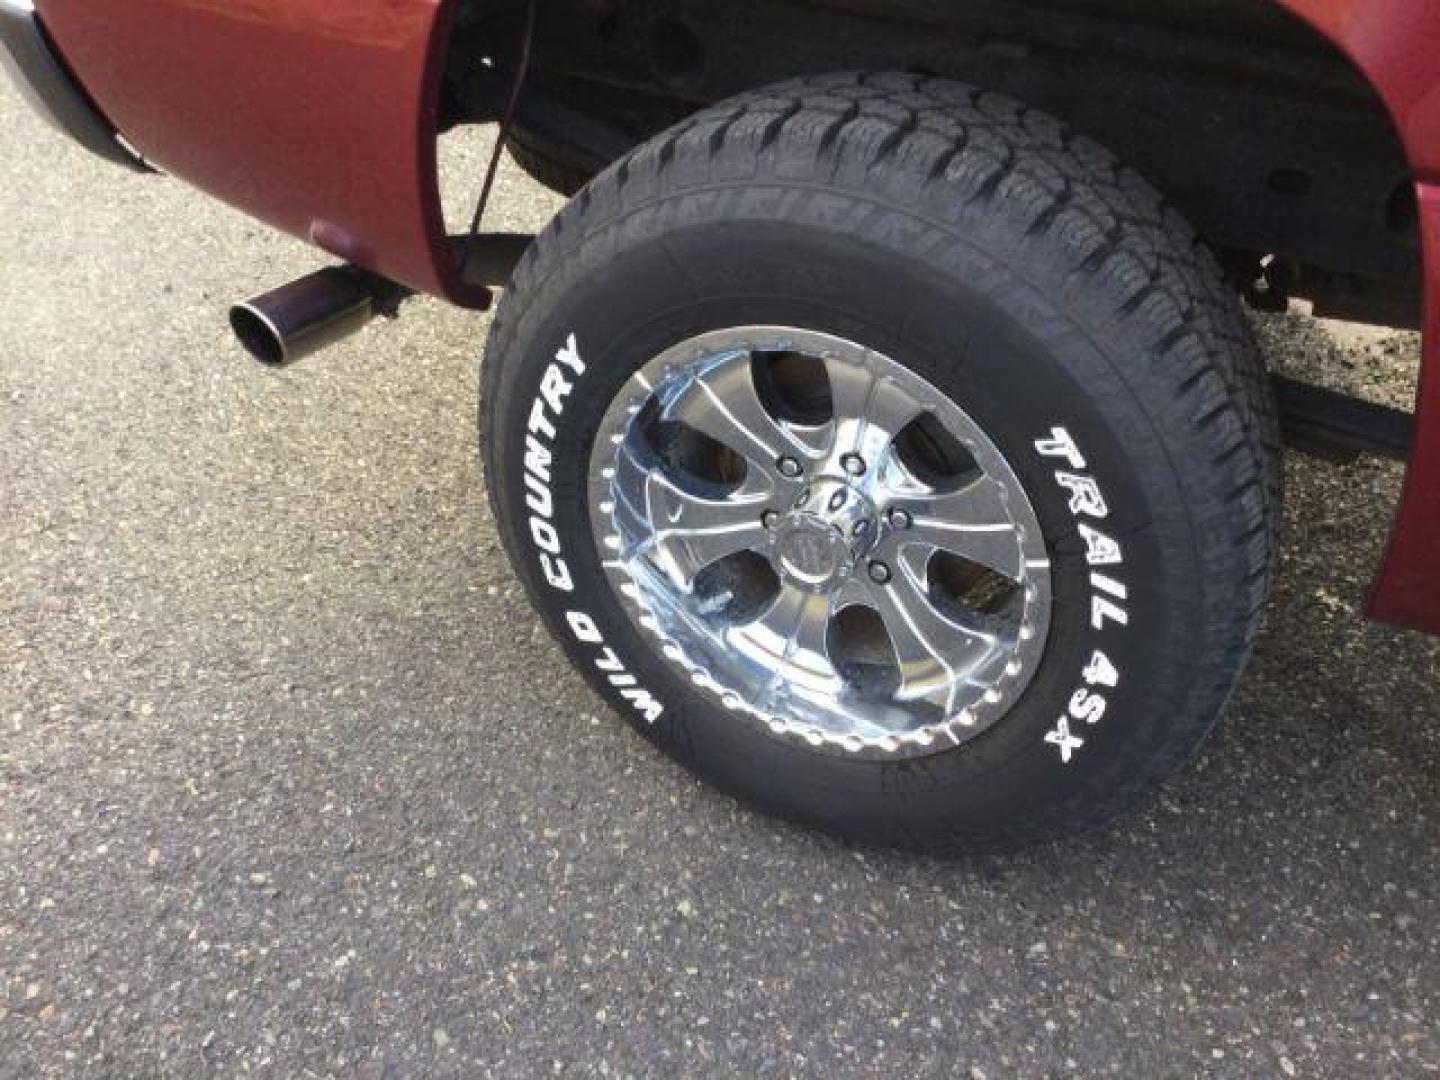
(1393, 44)
(314, 116)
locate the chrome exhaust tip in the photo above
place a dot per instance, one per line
(295, 320)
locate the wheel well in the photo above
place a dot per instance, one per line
(1267, 138)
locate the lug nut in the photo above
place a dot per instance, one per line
(770, 519)
(861, 527)
(853, 464)
(879, 572)
(837, 500)
(900, 519)
(789, 467)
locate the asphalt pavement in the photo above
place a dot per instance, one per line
(292, 783)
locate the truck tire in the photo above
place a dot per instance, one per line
(890, 456)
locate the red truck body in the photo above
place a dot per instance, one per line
(320, 118)
(316, 117)
(1395, 43)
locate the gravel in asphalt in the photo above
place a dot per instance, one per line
(292, 782)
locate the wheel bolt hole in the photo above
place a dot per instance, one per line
(900, 519)
(879, 572)
(770, 519)
(853, 464)
(788, 466)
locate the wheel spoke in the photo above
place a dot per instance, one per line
(798, 623)
(858, 392)
(722, 402)
(870, 410)
(692, 532)
(973, 523)
(933, 650)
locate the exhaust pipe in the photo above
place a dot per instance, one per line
(303, 317)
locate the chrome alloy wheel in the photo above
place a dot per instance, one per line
(822, 539)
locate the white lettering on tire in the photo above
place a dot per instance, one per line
(547, 412)
(630, 689)
(1109, 594)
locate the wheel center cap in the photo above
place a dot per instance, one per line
(830, 527)
(810, 551)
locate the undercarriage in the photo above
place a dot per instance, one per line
(1261, 132)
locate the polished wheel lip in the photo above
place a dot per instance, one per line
(660, 606)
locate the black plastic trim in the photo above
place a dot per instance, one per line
(31, 61)
(1340, 428)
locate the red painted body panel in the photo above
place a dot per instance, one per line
(1396, 44)
(1407, 589)
(317, 116)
